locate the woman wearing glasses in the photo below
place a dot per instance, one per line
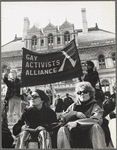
(85, 130)
(34, 123)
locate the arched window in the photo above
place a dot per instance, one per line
(5, 67)
(105, 86)
(34, 42)
(67, 37)
(50, 40)
(101, 62)
(113, 58)
(42, 42)
(58, 40)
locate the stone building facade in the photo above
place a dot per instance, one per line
(92, 43)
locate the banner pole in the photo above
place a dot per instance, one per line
(79, 78)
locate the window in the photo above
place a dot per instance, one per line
(5, 67)
(50, 40)
(67, 37)
(101, 62)
(26, 43)
(105, 86)
(58, 40)
(42, 42)
(113, 58)
(34, 42)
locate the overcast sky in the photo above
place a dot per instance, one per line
(41, 13)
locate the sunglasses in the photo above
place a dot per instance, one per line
(82, 92)
(35, 96)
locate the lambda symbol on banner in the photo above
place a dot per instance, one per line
(73, 63)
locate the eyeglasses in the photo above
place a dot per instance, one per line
(35, 96)
(82, 92)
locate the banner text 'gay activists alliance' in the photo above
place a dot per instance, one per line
(39, 69)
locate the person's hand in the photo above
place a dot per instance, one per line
(80, 115)
(10, 77)
(40, 128)
(71, 125)
(25, 128)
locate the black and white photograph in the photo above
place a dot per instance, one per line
(58, 75)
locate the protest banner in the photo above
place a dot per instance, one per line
(40, 69)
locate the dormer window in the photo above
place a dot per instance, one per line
(67, 37)
(50, 40)
(34, 42)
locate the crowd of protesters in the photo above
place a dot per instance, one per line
(82, 123)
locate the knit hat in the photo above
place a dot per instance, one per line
(43, 96)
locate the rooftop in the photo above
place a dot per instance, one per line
(95, 36)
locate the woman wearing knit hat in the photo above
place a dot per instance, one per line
(36, 119)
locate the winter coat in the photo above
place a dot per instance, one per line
(34, 118)
(92, 77)
(90, 108)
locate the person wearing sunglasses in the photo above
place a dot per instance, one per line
(35, 120)
(83, 130)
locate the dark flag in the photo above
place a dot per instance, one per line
(39, 69)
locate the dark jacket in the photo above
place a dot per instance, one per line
(92, 77)
(59, 105)
(109, 104)
(67, 102)
(34, 118)
(13, 88)
(7, 139)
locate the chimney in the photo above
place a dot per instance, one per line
(26, 27)
(84, 20)
(15, 37)
(96, 26)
